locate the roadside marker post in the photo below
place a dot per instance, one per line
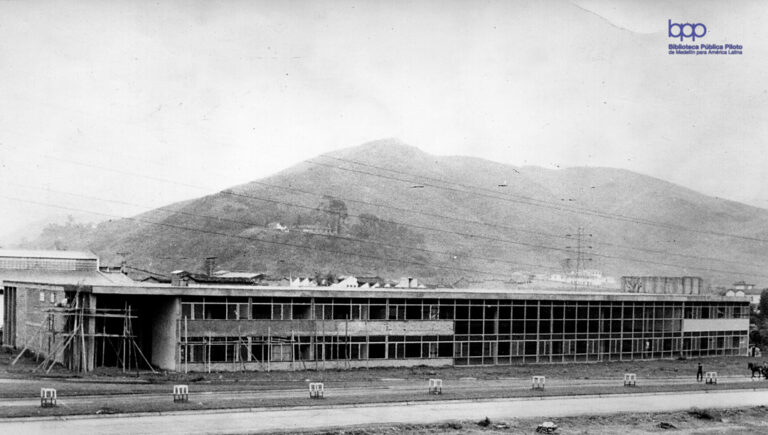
(47, 398)
(711, 377)
(630, 379)
(435, 386)
(316, 390)
(180, 393)
(538, 383)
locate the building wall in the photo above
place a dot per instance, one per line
(165, 312)
(687, 285)
(28, 320)
(711, 325)
(317, 365)
(253, 333)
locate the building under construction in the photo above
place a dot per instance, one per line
(99, 321)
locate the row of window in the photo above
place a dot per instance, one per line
(583, 336)
(399, 309)
(550, 326)
(557, 359)
(281, 349)
(47, 264)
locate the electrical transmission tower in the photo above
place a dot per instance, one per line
(581, 245)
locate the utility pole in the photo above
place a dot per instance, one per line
(579, 252)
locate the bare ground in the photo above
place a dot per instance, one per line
(725, 366)
(114, 382)
(695, 421)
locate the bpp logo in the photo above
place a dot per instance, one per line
(687, 30)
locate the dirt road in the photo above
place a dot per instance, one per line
(305, 418)
(374, 389)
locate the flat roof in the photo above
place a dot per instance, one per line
(66, 277)
(157, 289)
(48, 254)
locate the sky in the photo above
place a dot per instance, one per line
(109, 109)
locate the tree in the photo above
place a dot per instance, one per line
(759, 317)
(332, 213)
(763, 305)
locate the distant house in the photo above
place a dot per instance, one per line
(408, 282)
(156, 280)
(742, 285)
(22, 262)
(741, 288)
(277, 226)
(370, 281)
(585, 278)
(753, 295)
(188, 279)
(346, 282)
(253, 276)
(303, 282)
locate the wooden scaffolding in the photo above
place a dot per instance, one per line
(77, 337)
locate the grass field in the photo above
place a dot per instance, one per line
(113, 382)
(725, 366)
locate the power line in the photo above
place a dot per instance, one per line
(531, 245)
(136, 219)
(527, 200)
(421, 227)
(606, 215)
(252, 224)
(493, 239)
(256, 239)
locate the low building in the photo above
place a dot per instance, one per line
(687, 285)
(20, 262)
(743, 286)
(184, 278)
(345, 282)
(585, 279)
(247, 327)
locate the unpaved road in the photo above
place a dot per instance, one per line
(307, 418)
(384, 387)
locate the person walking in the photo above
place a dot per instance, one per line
(699, 374)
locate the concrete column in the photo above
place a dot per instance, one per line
(164, 338)
(90, 331)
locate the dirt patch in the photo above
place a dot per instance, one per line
(114, 383)
(741, 421)
(724, 366)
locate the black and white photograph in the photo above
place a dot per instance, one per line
(383, 217)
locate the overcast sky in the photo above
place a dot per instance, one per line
(97, 96)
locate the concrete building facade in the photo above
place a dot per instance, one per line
(236, 327)
(21, 263)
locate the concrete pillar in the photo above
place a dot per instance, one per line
(164, 334)
(90, 331)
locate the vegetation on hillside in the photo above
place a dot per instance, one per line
(358, 212)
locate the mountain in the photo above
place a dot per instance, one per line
(386, 208)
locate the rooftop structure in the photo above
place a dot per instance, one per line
(15, 259)
(26, 263)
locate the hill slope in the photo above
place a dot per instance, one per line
(390, 209)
